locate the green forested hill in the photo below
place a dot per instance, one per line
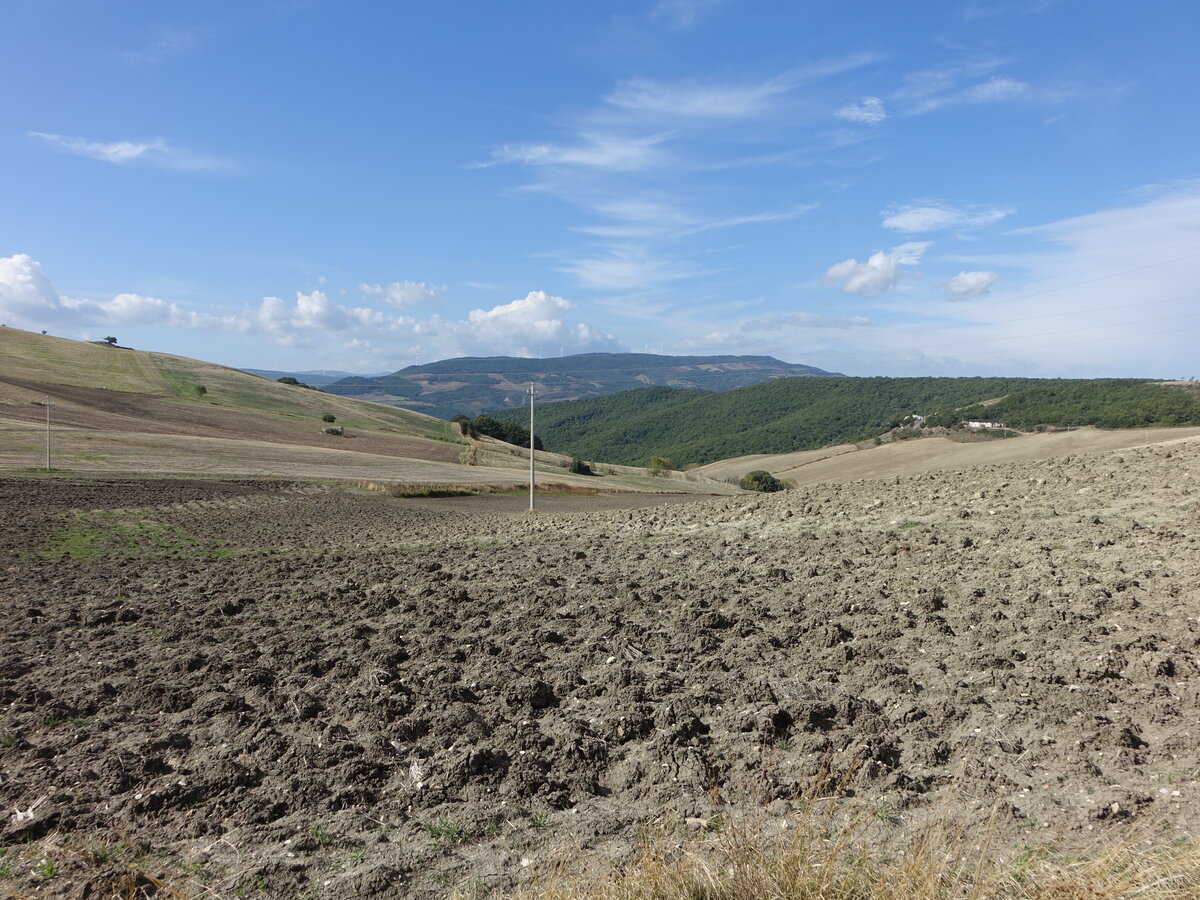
(806, 413)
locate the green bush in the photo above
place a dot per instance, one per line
(579, 467)
(329, 417)
(762, 481)
(334, 430)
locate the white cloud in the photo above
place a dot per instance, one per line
(804, 320)
(868, 111)
(27, 297)
(935, 216)
(595, 150)
(930, 89)
(624, 269)
(969, 285)
(404, 293)
(533, 324)
(881, 271)
(683, 14)
(157, 152)
(996, 89)
(687, 99)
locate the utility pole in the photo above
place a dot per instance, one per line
(532, 394)
(48, 404)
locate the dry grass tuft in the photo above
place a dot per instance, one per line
(821, 861)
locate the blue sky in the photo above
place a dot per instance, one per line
(950, 188)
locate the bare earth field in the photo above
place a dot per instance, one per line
(277, 689)
(847, 462)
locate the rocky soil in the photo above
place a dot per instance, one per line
(286, 690)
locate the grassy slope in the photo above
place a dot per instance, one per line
(51, 360)
(806, 413)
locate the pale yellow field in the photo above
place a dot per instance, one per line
(846, 462)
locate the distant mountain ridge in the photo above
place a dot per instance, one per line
(472, 384)
(315, 377)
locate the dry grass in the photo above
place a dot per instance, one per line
(817, 860)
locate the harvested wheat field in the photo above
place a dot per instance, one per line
(277, 689)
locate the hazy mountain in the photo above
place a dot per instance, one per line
(315, 377)
(471, 385)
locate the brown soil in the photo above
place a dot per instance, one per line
(301, 690)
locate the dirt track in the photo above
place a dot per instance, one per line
(295, 690)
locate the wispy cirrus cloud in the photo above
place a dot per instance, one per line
(169, 42)
(938, 215)
(156, 152)
(698, 100)
(683, 14)
(613, 152)
(868, 111)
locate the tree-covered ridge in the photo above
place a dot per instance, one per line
(1105, 403)
(793, 414)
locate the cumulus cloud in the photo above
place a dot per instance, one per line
(881, 271)
(969, 285)
(28, 298)
(537, 318)
(404, 293)
(935, 215)
(868, 111)
(157, 152)
(527, 325)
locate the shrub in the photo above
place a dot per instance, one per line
(329, 417)
(659, 465)
(760, 480)
(334, 430)
(201, 390)
(579, 467)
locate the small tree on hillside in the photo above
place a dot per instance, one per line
(762, 481)
(110, 340)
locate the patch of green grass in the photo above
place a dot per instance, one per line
(447, 831)
(46, 867)
(319, 834)
(539, 819)
(911, 523)
(100, 533)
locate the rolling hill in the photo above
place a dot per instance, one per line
(471, 385)
(799, 414)
(116, 410)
